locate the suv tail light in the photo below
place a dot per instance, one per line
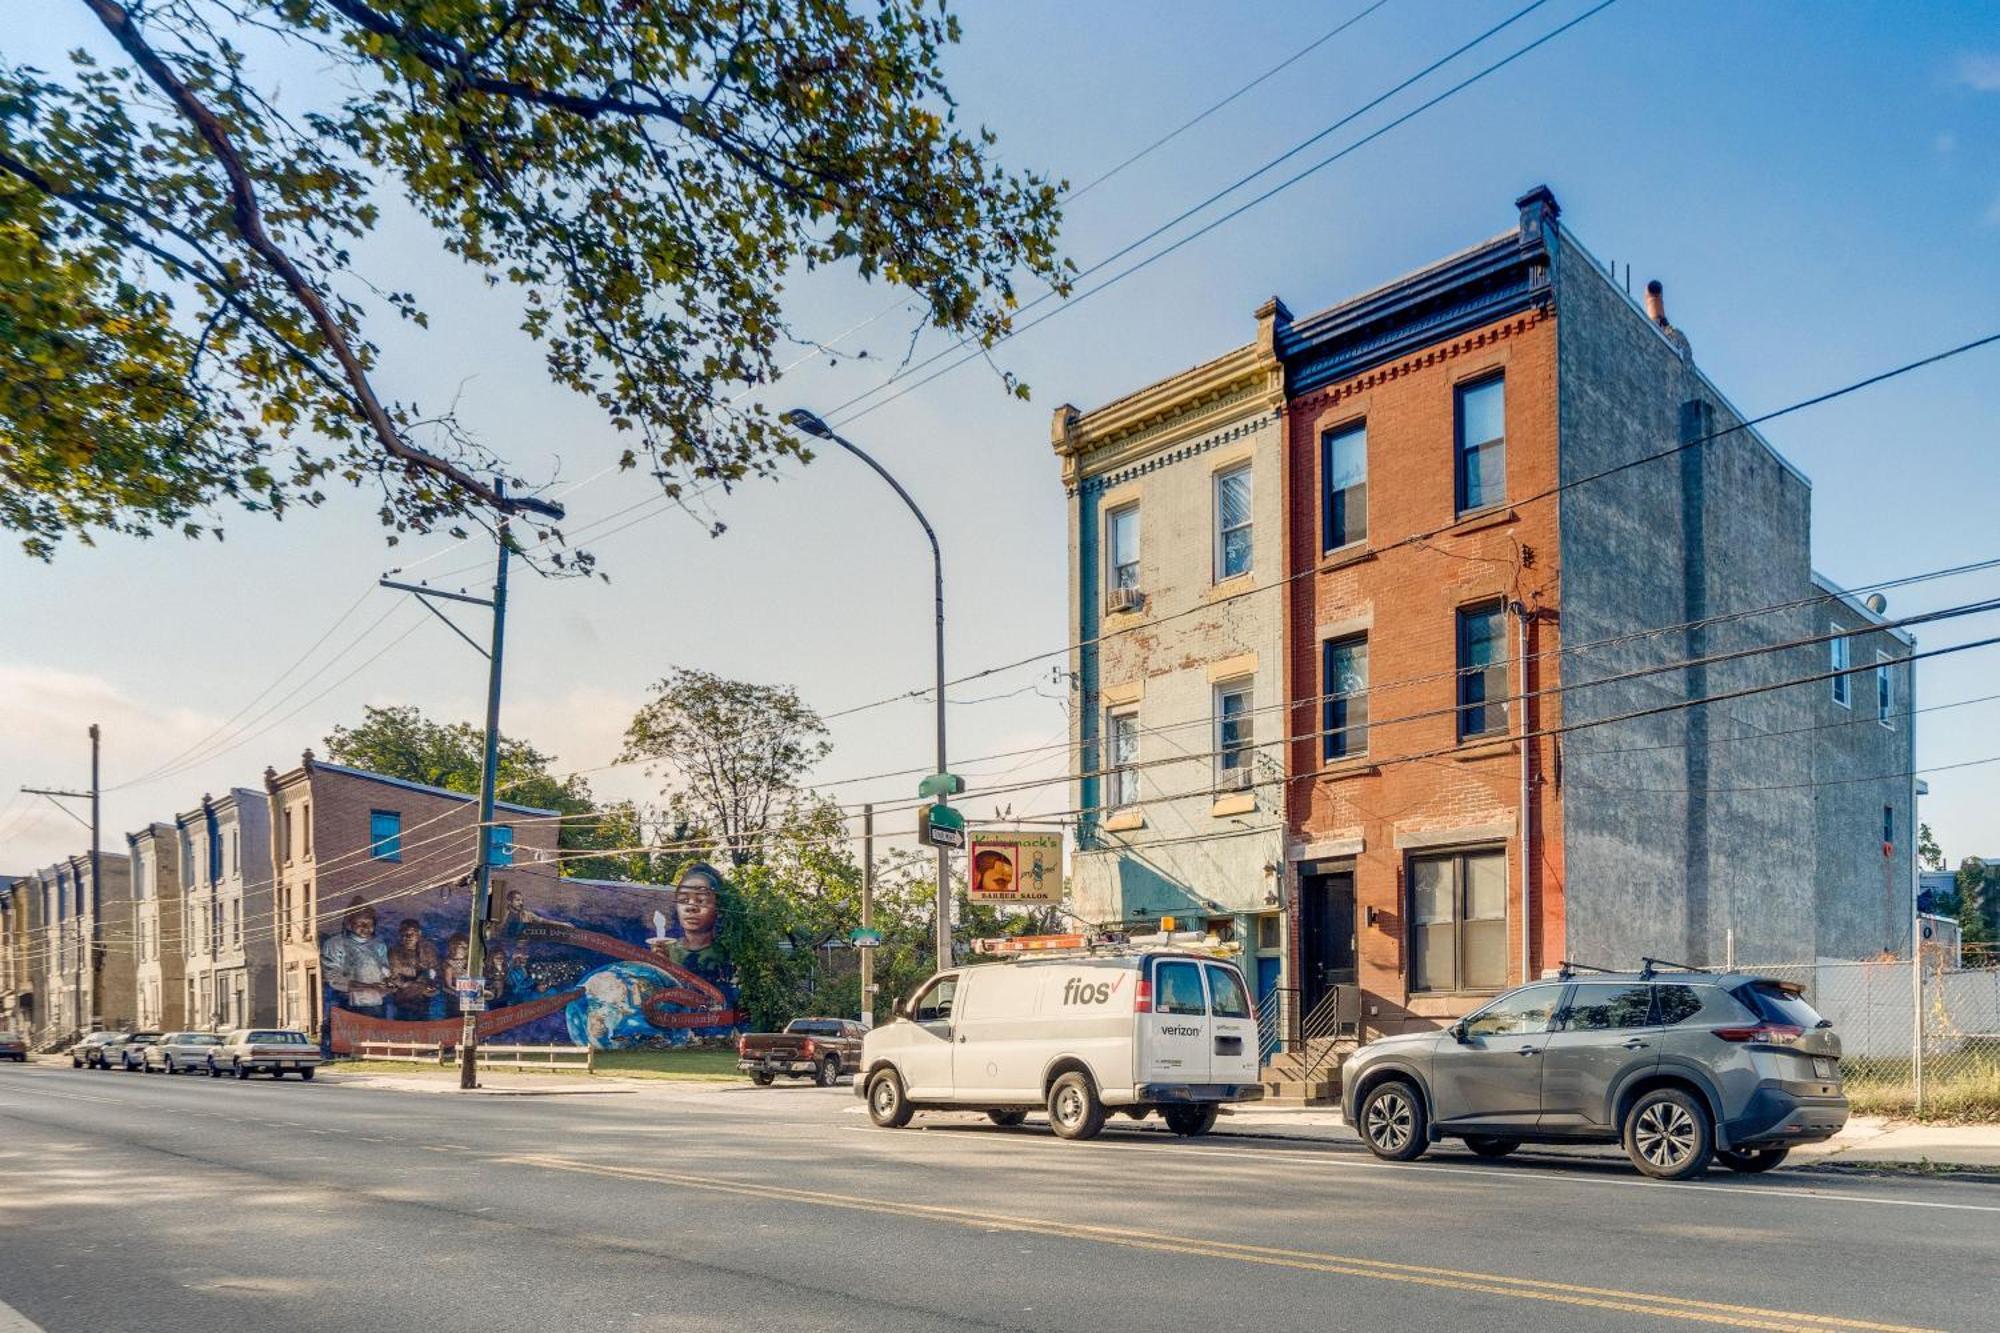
(1142, 999)
(1766, 1034)
(739, 1043)
(809, 1048)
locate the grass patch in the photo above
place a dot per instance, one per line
(697, 1066)
(1956, 1091)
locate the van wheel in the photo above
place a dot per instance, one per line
(888, 1105)
(1667, 1135)
(1393, 1123)
(1190, 1121)
(829, 1071)
(1485, 1146)
(1753, 1162)
(1074, 1111)
(1007, 1119)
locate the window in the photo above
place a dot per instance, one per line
(1123, 571)
(1343, 470)
(934, 1005)
(1598, 1006)
(1888, 826)
(1885, 690)
(1121, 785)
(214, 850)
(306, 825)
(1227, 988)
(235, 921)
(501, 852)
(1482, 671)
(385, 835)
(1482, 443)
(286, 850)
(138, 878)
(1177, 989)
(1676, 1004)
(1268, 931)
(1232, 523)
(1521, 1014)
(1235, 730)
(1837, 651)
(1344, 711)
(1458, 908)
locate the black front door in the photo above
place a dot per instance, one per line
(1326, 935)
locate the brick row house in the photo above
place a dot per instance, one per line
(1497, 534)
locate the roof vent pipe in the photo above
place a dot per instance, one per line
(1656, 303)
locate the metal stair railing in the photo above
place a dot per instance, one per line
(1319, 1034)
(1275, 1011)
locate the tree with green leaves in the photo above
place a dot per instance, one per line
(731, 756)
(1929, 855)
(182, 326)
(400, 742)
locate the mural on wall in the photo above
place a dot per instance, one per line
(566, 961)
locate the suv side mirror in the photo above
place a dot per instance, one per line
(1458, 1032)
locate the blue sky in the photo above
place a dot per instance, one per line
(1817, 185)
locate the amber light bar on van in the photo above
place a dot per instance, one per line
(1763, 1034)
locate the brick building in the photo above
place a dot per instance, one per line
(229, 946)
(343, 836)
(159, 953)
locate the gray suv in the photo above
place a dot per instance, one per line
(1679, 1067)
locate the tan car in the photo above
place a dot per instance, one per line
(273, 1051)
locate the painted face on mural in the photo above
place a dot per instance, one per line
(995, 873)
(361, 923)
(696, 910)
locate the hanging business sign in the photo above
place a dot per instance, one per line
(1009, 866)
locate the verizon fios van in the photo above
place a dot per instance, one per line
(1079, 1033)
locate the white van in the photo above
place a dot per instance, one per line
(1137, 1031)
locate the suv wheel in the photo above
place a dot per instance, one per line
(1668, 1135)
(1190, 1121)
(1074, 1111)
(1754, 1161)
(888, 1105)
(1483, 1145)
(829, 1072)
(1393, 1123)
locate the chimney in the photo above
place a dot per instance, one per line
(1656, 303)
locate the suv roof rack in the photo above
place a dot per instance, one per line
(1570, 967)
(1652, 966)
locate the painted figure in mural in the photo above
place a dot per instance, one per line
(457, 955)
(413, 973)
(356, 964)
(518, 914)
(499, 959)
(694, 942)
(993, 872)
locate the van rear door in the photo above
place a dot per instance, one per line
(1175, 1038)
(1233, 1051)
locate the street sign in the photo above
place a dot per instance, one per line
(864, 937)
(471, 992)
(472, 1006)
(941, 826)
(940, 785)
(1009, 866)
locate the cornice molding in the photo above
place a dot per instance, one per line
(1434, 355)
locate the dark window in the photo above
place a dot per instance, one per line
(1482, 671)
(1343, 469)
(1598, 1006)
(1122, 781)
(1885, 690)
(1523, 1012)
(385, 835)
(1123, 567)
(1837, 656)
(1888, 826)
(1677, 1004)
(1345, 708)
(1458, 914)
(1233, 523)
(934, 1005)
(1235, 729)
(1775, 1003)
(1482, 443)
(1177, 989)
(1227, 987)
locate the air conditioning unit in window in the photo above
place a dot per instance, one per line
(1235, 779)
(1124, 599)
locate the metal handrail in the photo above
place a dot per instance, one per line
(1322, 1027)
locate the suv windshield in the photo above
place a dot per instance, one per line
(1775, 1003)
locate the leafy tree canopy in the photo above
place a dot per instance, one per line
(180, 324)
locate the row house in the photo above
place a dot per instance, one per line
(343, 838)
(19, 928)
(159, 949)
(75, 943)
(1479, 540)
(229, 940)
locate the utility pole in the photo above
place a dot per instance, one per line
(475, 950)
(868, 914)
(56, 797)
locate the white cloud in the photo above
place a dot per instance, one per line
(1980, 71)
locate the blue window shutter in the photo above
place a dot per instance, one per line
(500, 839)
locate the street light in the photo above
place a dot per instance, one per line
(808, 423)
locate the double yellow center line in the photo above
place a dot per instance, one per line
(1487, 1284)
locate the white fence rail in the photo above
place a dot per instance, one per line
(581, 1058)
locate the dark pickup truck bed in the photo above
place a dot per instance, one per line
(821, 1049)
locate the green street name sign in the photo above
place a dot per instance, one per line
(941, 826)
(864, 938)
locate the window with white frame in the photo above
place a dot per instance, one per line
(1121, 570)
(1233, 528)
(1121, 779)
(1837, 658)
(1885, 689)
(1235, 732)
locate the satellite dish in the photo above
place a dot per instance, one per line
(1876, 602)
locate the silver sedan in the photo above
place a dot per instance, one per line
(181, 1053)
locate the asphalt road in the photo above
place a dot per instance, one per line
(144, 1203)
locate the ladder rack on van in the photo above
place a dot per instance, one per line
(1017, 948)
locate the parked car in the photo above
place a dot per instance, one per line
(127, 1052)
(821, 1049)
(180, 1053)
(89, 1053)
(274, 1051)
(1679, 1067)
(14, 1046)
(1078, 1034)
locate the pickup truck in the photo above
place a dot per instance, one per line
(821, 1049)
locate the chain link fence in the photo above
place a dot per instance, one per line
(1915, 1040)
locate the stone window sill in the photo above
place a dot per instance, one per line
(1478, 520)
(1234, 585)
(1233, 803)
(1484, 747)
(1351, 766)
(1122, 821)
(1340, 557)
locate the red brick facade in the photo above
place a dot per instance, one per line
(1417, 789)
